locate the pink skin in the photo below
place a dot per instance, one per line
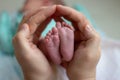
(36, 4)
(66, 33)
(52, 43)
(58, 45)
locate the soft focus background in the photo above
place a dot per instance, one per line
(106, 13)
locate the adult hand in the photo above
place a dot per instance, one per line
(33, 62)
(87, 46)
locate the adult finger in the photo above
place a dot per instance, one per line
(37, 19)
(28, 14)
(79, 20)
(41, 28)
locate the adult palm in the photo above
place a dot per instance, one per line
(33, 62)
(87, 45)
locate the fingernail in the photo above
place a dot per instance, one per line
(25, 27)
(89, 28)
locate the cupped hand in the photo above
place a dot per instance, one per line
(87, 46)
(33, 62)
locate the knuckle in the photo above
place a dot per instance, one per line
(25, 17)
(16, 38)
(81, 16)
(31, 19)
(43, 16)
(34, 19)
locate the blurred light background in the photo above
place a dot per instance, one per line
(106, 13)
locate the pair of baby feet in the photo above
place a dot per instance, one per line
(58, 44)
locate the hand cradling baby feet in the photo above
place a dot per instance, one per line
(59, 43)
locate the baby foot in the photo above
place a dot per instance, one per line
(52, 44)
(66, 33)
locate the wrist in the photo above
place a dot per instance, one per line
(34, 77)
(75, 75)
(39, 76)
(83, 78)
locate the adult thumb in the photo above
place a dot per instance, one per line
(20, 39)
(24, 30)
